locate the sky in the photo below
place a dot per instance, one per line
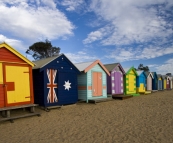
(129, 32)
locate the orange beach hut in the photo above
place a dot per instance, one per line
(15, 78)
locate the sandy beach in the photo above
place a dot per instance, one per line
(142, 119)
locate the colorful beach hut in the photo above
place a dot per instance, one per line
(154, 81)
(160, 82)
(141, 82)
(164, 82)
(168, 82)
(92, 83)
(115, 84)
(130, 81)
(55, 81)
(149, 76)
(16, 86)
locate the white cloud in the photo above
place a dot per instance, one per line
(167, 67)
(16, 44)
(81, 57)
(133, 21)
(98, 35)
(22, 19)
(130, 54)
(72, 5)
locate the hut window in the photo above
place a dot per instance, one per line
(112, 78)
(113, 91)
(121, 79)
(112, 84)
(121, 84)
(71, 68)
(121, 90)
(62, 67)
(57, 61)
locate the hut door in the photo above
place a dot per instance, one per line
(149, 83)
(131, 83)
(97, 84)
(17, 84)
(117, 83)
(168, 84)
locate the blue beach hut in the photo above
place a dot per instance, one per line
(154, 81)
(141, 82)
(55, 81)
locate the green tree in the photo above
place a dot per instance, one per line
(41, 50)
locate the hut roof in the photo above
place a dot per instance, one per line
(110, 67)
(86, 66)
(43, 62)
(127, 70)
(5, 45)
(149, 73)
(139, 72)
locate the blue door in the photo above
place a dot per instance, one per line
(160, 84)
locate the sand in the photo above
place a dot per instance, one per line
(142, 119)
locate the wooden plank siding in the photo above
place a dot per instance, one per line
(97, 68)
(1, 95)
(82, 82)
(8, 56)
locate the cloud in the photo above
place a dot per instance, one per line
(133, 21)
(16, 44)
(33, 21)
(72, 5)
(98, 35)
(167, 67)
(139, 53)
(81, 57)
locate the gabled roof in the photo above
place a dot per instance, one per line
(155, 74)
(43, 62)
(149, 73)
(111, 67)
(140, 72)
(127, 70)
(159, 76)
(86, 66)
(5, 45)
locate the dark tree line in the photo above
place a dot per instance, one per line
(144, 68)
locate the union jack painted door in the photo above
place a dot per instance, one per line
(97, 83)
(52, 86)
(168, 84)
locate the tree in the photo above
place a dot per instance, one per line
(41, 50)
(141, 67)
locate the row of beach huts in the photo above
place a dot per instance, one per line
(56, 81)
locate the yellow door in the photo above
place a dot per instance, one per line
(17, 84)
(131, 83)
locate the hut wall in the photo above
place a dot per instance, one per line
(140, 83)
(109, 86)
(149, 82)
(1, 87)
(96, 68)
(160, 87)
(82, 86)
(38, 83)
(130, 83)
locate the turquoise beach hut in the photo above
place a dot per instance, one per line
(92, 82)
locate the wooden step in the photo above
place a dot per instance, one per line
(98, 100)
(11, 119)
(121, 97)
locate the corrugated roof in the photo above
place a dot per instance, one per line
(82, 66)
(139, 72)
(110, 67)
(41, 63)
